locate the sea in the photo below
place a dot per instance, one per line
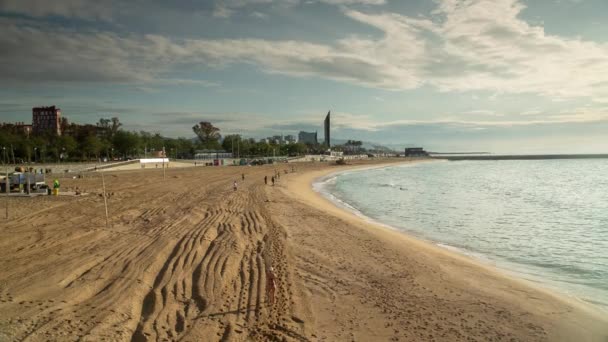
(542, 220)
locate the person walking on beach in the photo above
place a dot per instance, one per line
(272, 180)
(235, 186)
(265, 180)
(243, 176)
(271, 284)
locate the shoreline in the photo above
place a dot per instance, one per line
(319, 185)
(584, 320)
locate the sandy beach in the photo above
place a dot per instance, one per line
(185, 258)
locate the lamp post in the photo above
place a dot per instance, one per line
(35, 149)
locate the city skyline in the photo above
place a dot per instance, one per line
(503, 76)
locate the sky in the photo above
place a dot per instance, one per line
(503, 76)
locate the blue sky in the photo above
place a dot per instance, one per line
(503, 76)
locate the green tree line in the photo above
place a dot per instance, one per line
(108, 140)
(104, 140)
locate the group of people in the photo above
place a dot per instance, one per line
(273, 179)
(277, 175)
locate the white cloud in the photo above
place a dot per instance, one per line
(501, 52)
(471, 45)
(531, 112)
(484, 112)
(259, 15)
(468, 45)
(342, 120)
(222, 12)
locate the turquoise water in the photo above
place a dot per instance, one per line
(545, 220)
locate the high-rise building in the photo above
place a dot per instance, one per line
(307, 138)
(46, 119)
(327, 130)
(290, 139)
(276, 139)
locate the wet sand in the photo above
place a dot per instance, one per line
(185, 258)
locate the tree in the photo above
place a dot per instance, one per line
(12, 144)
(296, 149)
(64, 124)
(39, 148)
(103, 123)
(185, 148)
(65, 146)
(92, 146)
(109, 127)
(125, 142)
(208, 134)
(157, 142)
(104, 128)
(116, 124)
(353, 146)
(231, 143)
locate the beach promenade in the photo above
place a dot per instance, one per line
(186, 258)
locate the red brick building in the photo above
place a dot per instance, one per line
(17, 128)
(46, 119)
(22, 126)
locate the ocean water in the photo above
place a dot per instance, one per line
(544, 220)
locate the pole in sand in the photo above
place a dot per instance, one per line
(7, 184)
(105, 200)
(164, 156)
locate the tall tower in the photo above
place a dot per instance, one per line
(327, 130)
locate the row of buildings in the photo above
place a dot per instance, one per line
(280, 140)
(44, 120)
(310, 138)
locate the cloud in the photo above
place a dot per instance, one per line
(93, 10)
(31, 54)
(226, 8)
(259, 15)
(353, 2)
(516, 57)
(82, 9)
(185, 82)
(466, 45)
(222, 12)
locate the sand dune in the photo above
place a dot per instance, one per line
(185, 258)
